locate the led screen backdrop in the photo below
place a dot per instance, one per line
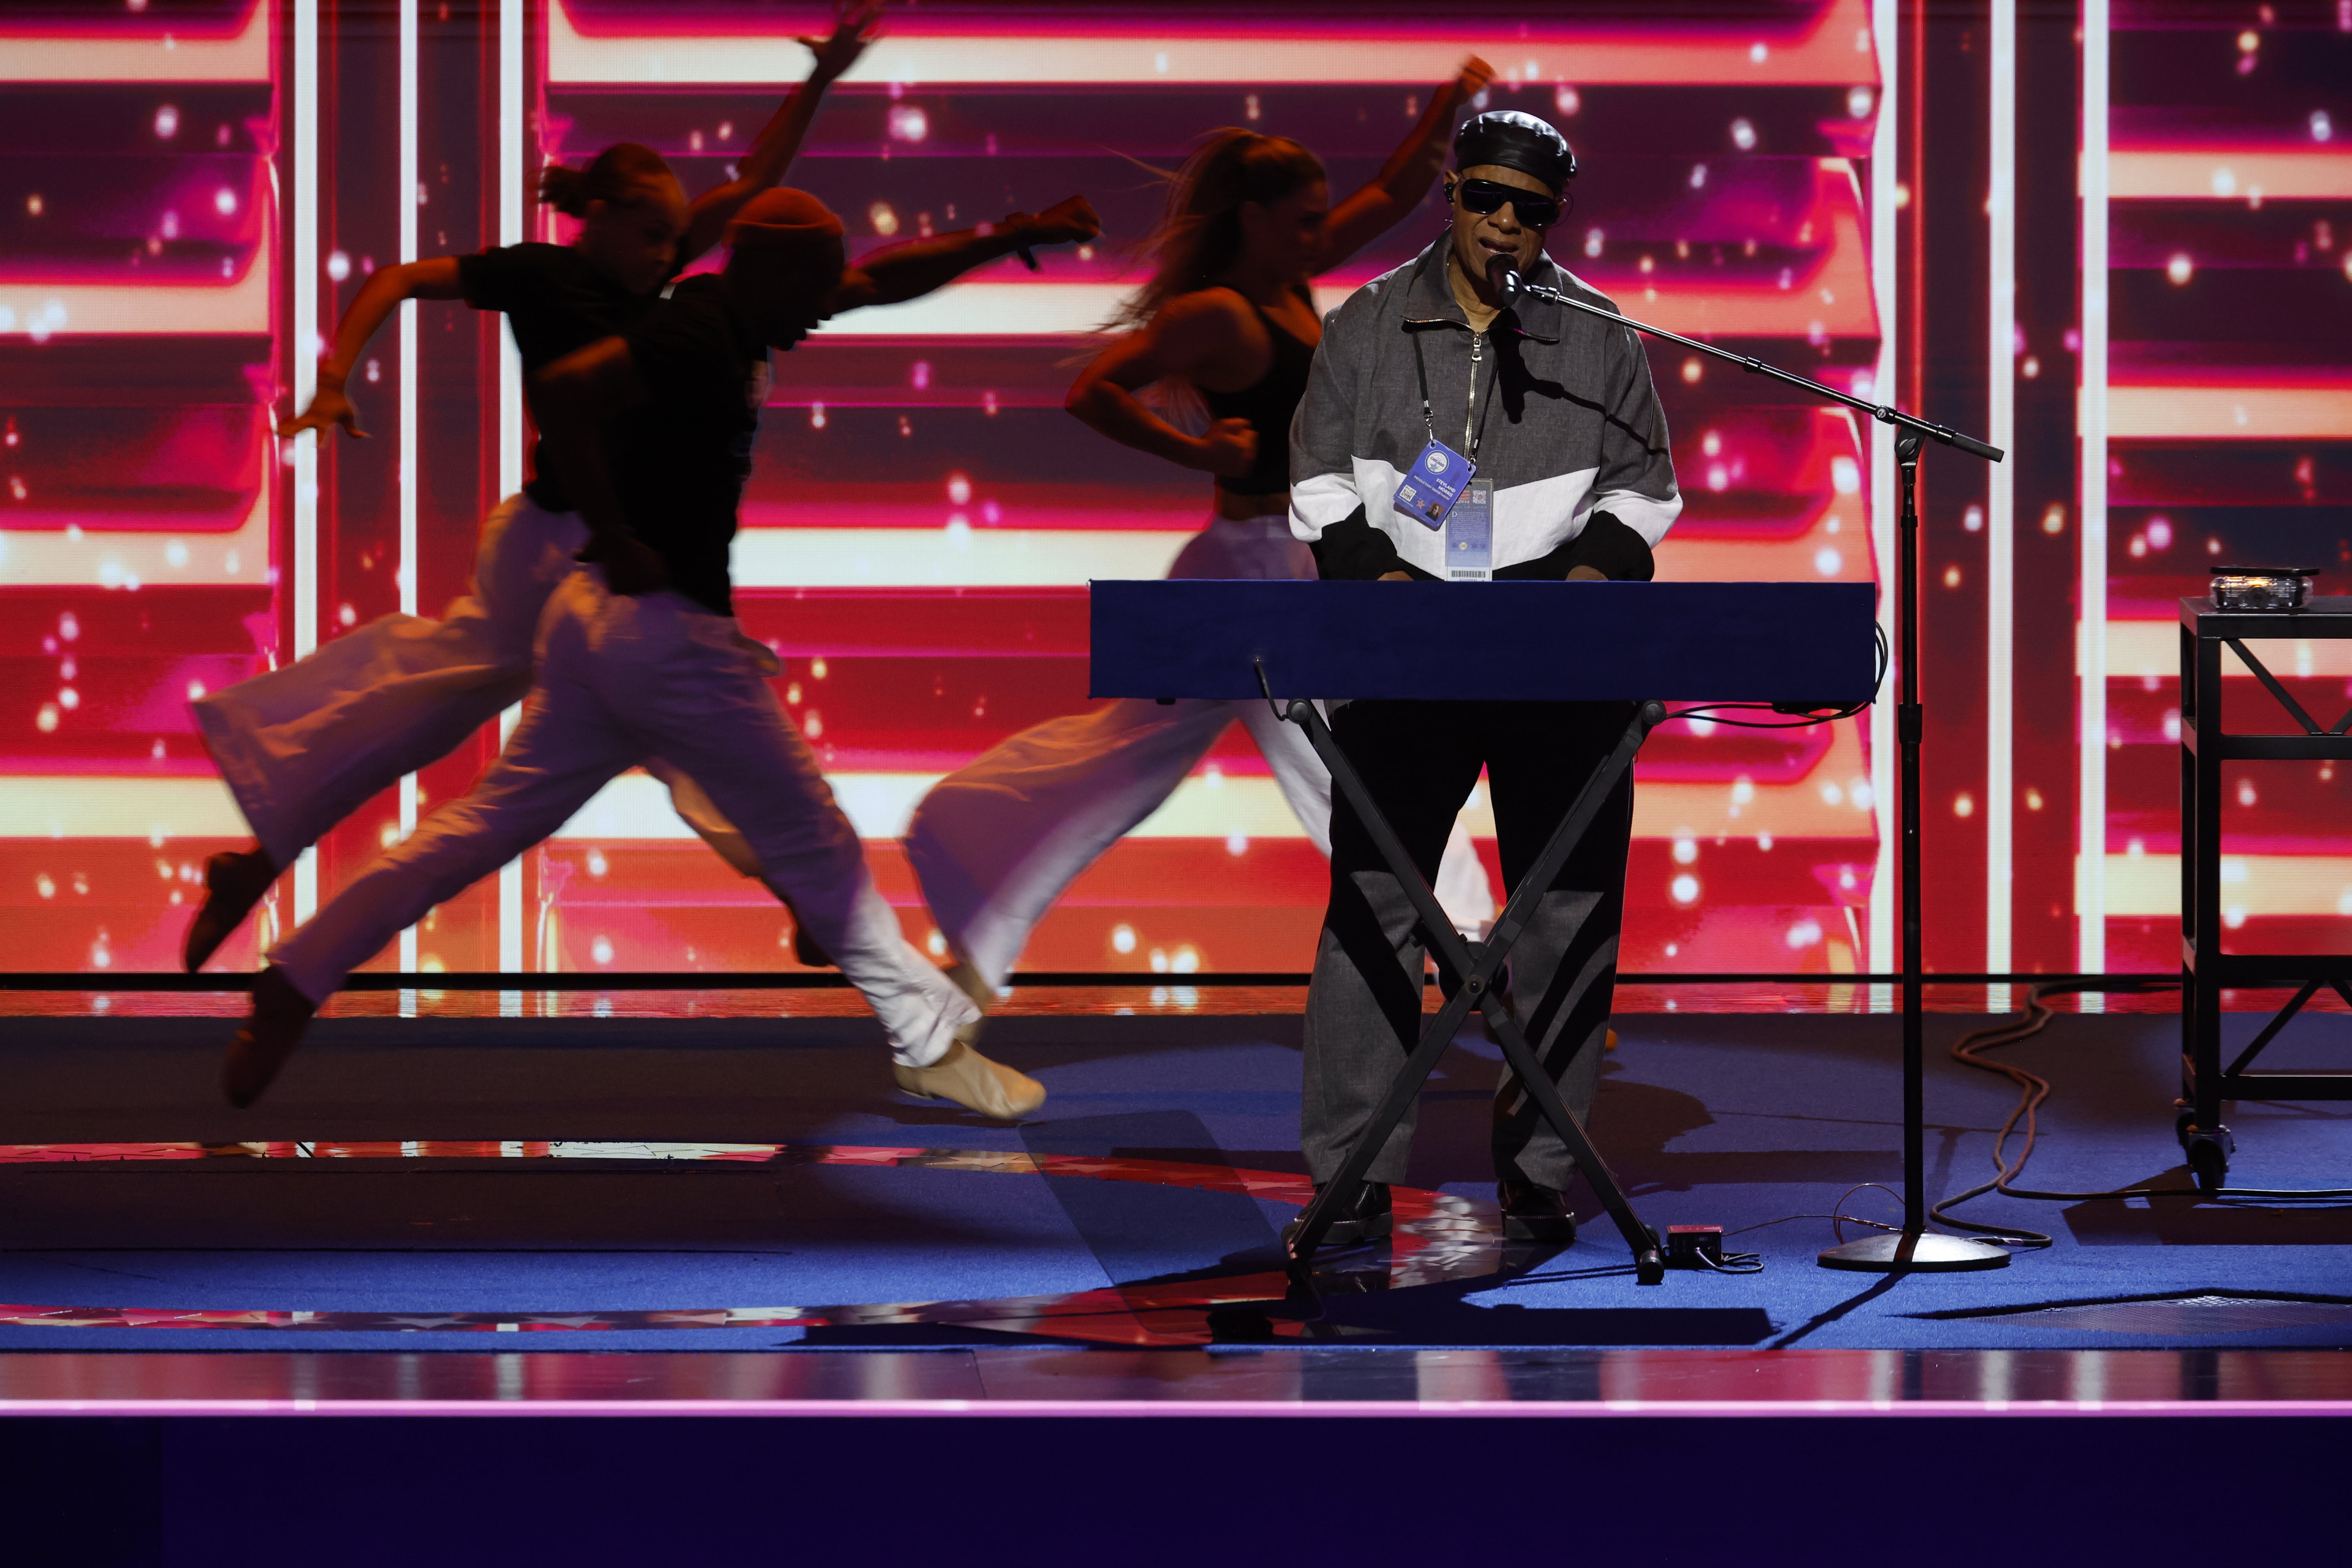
(1892, 198)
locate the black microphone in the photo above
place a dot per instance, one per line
(1503, 277)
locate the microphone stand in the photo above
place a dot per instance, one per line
(1915, 1248)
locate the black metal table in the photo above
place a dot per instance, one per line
(2206, 631)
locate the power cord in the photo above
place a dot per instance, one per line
(1838, 1218)
(2034, 1089)
(1732, 1263)
(1804, 715)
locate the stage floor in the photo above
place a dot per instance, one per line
(735, 1212)
(1016, 1380)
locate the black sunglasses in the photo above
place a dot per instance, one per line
(1484, 196)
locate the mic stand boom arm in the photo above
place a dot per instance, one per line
(1880, 412)
(1914, 1248)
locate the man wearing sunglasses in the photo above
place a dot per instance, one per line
(1453, 435)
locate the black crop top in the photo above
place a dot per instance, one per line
(1268, 406)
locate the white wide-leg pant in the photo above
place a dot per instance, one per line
(620, 680)
(304, 746)
(996, 842)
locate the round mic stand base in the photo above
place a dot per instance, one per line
(1915, 1252)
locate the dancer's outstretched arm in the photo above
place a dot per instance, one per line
(1406, 177)
(909, 271)
(373, 306)
(856, 25)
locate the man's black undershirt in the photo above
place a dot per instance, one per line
(1353, 549)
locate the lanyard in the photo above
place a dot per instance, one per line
(1474, 421)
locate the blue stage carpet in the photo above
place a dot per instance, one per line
(1737, 1120)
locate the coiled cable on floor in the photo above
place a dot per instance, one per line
(1837, 1217)
(1733, 1263)
(2032, 1090)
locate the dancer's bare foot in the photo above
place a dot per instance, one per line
(235, 881)
(974, 1082)
(280, 1015)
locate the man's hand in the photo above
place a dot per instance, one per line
(1473, 77)
(1395, 578)
(631, 565)
(1229, 448)
(1073, 219)
(856, 23)
(329, 407)
(1587, 575)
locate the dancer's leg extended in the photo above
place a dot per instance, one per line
(304, 747)
(1305, 782)
(568, 745)
(564, 750)
(695, 692)
(696, 696)
(997, 841)
(1462, 888)
(620, 676)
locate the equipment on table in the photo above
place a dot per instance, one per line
(2262, 587)
(1796, 645)
(2206, 629)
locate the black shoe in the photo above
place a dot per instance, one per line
(280, 1015)
(1369, 1222)
(1535, 1213)
(235, 881)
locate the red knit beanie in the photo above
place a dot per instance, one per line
(782, 218)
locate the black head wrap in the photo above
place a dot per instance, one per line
(1510, 140)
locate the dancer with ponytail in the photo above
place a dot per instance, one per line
(1229, 313)
(651, 432)
(303, 747)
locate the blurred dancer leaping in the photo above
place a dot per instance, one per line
(303, 747)
(1230, 312)
(651, 433)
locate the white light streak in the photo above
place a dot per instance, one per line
(404, 204)
(2000, 541)
(305, 207)
(2091, 744)
(1883, 509)
(510, 214)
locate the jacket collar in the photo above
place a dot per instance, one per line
(1429, 300)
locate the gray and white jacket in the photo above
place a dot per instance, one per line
(1572, 436)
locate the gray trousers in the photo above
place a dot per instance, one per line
(1420, 761)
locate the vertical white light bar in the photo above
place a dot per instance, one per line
(406, 195)
(511, 208)
(2091, 661)
(305, 204)
(2000, 538)
(510, 212)
(1882, 518)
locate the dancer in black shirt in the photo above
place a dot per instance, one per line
(304, 746)
(641, 656)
